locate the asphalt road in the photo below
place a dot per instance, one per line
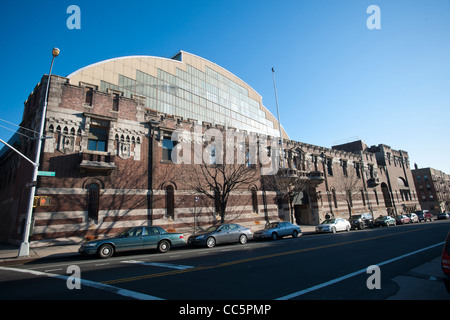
(318, 266)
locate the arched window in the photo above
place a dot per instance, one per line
(333, 192)
(93, 200)
(254, 200)
(170, 201)
(402, 183)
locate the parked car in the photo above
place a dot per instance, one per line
(402, 219)
(361, 221)
(333, 225)
(413, 217)
(277, 230)
(445, 262)
(136, 238)
(219, 234)
(385, 221)
(424, 215)
(443, 215)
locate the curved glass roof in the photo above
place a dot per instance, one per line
(187, 86)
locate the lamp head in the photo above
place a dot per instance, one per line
(55, 52)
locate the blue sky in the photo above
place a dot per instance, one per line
(336, 79)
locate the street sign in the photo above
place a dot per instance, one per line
(45, 201)
(46, 173)
(42, 201)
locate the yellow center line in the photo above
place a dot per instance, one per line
(229, 263)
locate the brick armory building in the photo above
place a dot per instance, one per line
(109, 129)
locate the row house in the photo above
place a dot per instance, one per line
(433, 189)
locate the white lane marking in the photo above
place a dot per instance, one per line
(101, 286)
(325, 284)
(159, 264)
(51, 270)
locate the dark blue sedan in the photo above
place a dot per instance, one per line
(136, 238)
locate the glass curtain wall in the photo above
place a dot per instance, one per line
(203, 96)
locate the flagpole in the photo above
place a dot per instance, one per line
(278, 114)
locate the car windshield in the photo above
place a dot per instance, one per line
(356, 216)
(329, 221)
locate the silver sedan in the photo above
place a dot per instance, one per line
(277, 230)
(219, 234)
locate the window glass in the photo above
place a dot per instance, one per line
(151, 231)
(93, 201)
(167, 149)
(88, 97)
(170, 201)
(97, 138)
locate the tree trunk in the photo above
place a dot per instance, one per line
(223, 208)
(291, 210)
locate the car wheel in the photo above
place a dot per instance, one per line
(164, 246)
(242, 239)
(274, 236)
(210, 242)
(295, 234)
(105, 251)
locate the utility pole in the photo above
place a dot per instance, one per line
(278, 113)
(24, 249)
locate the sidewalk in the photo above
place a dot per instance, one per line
(9, 253)
(422, 283)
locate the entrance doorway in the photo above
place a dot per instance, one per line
(302, 209)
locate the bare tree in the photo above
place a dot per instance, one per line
(349, 186)
(218, 181)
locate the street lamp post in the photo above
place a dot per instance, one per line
(24, 249)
